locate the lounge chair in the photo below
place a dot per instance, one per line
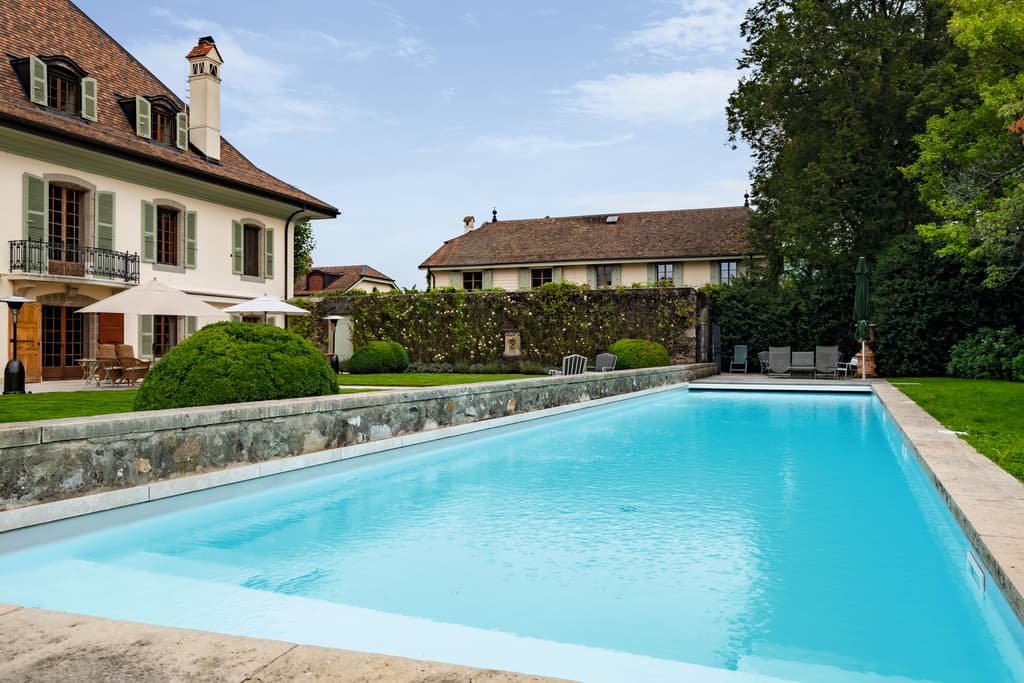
(739, 358)
(802, 361)
(574, 364)
(132, 369)
(778, 360)
(762, 358)
(605, 362)
(108, 367)
(826, 361)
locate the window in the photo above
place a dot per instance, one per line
(664, 275)
(539, 276)
(65, 223)
(165, 334)
(604, 276)
(727, 270)
(473, 279)
(251, 251)
(167, 235)
(62, 92)
(164, 128)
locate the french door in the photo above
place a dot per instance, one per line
(63, 337)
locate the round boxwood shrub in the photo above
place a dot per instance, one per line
(235, 363)
(639, 353)
(379, 356)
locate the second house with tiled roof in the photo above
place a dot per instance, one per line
(323, 280)
(107, 180)
(684, 248)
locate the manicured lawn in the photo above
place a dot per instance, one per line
(420, 379)
(25, 407)
(57, 404)
(990, 411)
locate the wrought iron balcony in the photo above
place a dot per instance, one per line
(74, 260)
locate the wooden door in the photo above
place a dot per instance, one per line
(30, 328)
(62, 342)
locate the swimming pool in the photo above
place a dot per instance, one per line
(720, 536)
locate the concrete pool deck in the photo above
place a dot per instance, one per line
(987, 502)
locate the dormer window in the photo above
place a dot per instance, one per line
(157, 118)
(164, 129)
(59, 83)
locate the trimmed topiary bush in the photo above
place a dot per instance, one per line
(379, 356)
(639, 353)
(986, 354)
(236, 363)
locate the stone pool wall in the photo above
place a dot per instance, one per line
(58, 459)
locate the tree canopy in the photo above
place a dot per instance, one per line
(304, 241)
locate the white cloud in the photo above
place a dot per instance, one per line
(537, 145)
(700, 27)
(681, 96)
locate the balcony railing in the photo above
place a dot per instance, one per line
(57, 258)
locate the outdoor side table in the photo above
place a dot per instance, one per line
(89, 370)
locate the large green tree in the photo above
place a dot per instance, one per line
(304, 241)
(971, 162)
(831, 95)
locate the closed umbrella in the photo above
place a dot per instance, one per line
(266, 304)
(153, 298)
(862, 310)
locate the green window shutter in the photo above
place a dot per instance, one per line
(34, 204)
(743, 267)
(524, 278)
(715, 275)
(556, 274)
(268, 271)
(488, 279)
(146, 336)
(142, 117)
(677, 274)
(181, 120)
(592, 277)
(148, 232)
(191, 228)
(616, 276)
(272, 320)
(455, 279)
(236, 247)
(105, 220)
(37, 80)
(191, 325)
(652, 273)
(89, 99)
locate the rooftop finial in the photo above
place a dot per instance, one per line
(746, 199)
(494, 215)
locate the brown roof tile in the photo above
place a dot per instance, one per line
(58, 28)
(682, 234)
(347, 276)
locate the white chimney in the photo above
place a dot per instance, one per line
(469, 222)
(204, 97)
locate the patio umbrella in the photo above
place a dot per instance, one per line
(153, 298)
(265, 305)
(862, 310)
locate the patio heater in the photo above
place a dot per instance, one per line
(332, 321)
(14, 373)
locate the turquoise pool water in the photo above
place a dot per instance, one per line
(713, 536)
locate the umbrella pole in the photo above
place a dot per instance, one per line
(863, 361)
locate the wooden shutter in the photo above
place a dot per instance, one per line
(236, 247)
(652, 273)
(191, 325)
(455, 279)
(268, 271)
(37, 80)
(143, 123)
(272, 320)
(592, 277)
(487, 280)
(89, 110)
(105, 220)
(146, 336)
(181, 120)
(556, 274)
(715, 276)
(191, 228)
(34, 204)
(524, 278)
(148, 232)
(616, 276)
(677, 274)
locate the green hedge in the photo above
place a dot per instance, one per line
(639, 353)
(236, 363)
(379, 356)
(987, 354)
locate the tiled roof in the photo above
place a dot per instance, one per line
(200, 50)
(50, 28)
(347, 276)
(661, 235)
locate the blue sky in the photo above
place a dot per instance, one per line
(408, 116)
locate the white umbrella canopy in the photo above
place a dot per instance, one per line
(153, 298)
(266, 304)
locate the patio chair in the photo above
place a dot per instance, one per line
(826, 361)
(802, 361)
(847, 368)
(762, 358)
(739, 358)
(574, 364)
(132, 369)
(605, 362)
(778, 360)
(108, 367)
